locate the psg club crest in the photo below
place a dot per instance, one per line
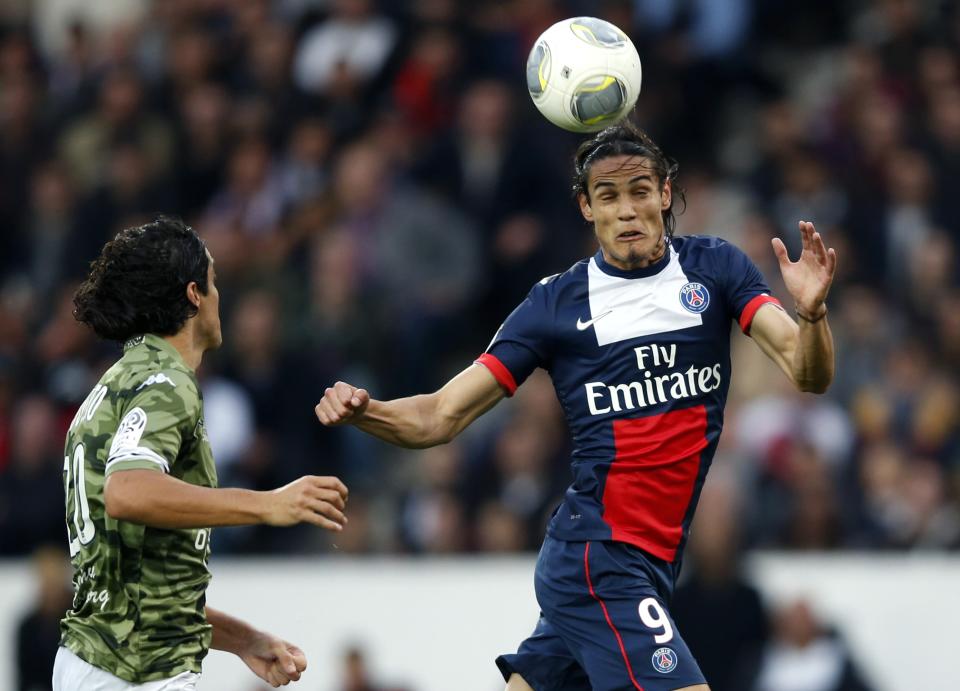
(694, 297)
(664, 660)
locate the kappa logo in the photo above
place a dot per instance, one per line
(695, 297)
(664, 660)
(158, 378)
(582, 325)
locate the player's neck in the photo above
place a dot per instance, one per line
(185, 341)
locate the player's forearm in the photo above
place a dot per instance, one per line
(161, 501)
(415, 422)
(421, 421)
(813, 358)
(412, 422)
(229, 633)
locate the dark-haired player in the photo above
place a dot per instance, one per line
(636, 340)
(141, 486)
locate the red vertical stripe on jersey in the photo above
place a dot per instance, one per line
(499, 372)
(750, 309)
(606, 615)
(651, 482)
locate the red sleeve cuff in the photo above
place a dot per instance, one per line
(746, 316)
(499, 372)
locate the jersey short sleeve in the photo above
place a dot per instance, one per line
(155, 422)
(745, 289)
(522, 342)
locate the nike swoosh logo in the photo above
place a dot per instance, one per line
(581, 325)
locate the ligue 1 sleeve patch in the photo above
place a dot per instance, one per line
(694, 297)
(126, 441)
(127, 436)
(664, 660)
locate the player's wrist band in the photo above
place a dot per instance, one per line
(809, 319)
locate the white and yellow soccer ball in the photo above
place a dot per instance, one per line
(583, 74)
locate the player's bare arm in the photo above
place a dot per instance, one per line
(272, 659)
(415, 422)
(802, 349)
(161, 501)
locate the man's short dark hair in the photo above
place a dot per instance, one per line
(626, 139)
(138, 283)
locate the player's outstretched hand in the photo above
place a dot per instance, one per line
(808, 279)
(311, 499)
(342, 403)
(275, 661)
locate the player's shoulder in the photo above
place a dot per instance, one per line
(145, 376)
(699, 243)
(708, 251)
(166, 378)
(555, 283)
(138, 376)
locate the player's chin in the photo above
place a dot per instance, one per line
(638, 251)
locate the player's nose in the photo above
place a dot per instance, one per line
(626, 212)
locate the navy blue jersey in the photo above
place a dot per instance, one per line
(640, 361)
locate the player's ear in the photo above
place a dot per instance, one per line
(193, 293)
(585, 209)
(666, 195)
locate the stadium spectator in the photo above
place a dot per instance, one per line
(352, 45)
(31, 488)
(356, 675)
(38, 631)
(805, 655)
(122, 117)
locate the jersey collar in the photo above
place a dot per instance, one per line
(650, 270)
(155, 341)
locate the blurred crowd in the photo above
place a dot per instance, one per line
(378, 193)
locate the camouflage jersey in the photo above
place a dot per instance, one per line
(138, 608)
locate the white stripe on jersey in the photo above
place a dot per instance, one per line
(638, 306)
(138, 453)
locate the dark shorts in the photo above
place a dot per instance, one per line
(604, 624)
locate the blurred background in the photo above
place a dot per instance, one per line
(379, 193)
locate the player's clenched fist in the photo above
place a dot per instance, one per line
(311, 499)
(274, 660)
(342, 403)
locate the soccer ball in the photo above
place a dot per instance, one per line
(583, 74)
